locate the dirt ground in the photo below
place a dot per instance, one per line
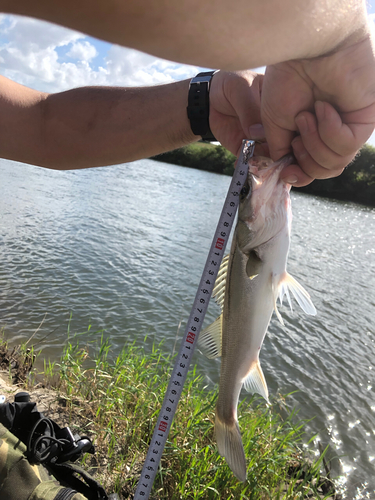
(14, 369)
(47, 400)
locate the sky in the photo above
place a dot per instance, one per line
(50, 58)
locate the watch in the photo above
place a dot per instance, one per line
(198, 109)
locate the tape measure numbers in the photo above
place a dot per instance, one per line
(194, 324)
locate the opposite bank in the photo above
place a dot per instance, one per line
(356, 183)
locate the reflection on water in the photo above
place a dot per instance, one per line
(122, 249)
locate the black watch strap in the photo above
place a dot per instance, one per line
(198, 109)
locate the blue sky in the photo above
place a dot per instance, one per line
(51, 58)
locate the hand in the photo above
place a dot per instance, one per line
(235, 109)
(322, 109)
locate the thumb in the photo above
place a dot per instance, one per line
(278, 139)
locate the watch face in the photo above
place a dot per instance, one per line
(204, 77)
(201, 79)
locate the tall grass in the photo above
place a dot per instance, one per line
(116, 401)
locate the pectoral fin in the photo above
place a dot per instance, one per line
(253, 265)
(285, 283)
(210, 339)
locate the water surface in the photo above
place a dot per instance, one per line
(122, 249)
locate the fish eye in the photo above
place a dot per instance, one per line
(244, 191)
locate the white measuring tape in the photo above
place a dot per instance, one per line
(194, 324)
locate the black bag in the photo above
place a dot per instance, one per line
(32, 447)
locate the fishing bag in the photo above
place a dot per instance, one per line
(37, 457)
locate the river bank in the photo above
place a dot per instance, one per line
(356, 183)
(116, 402)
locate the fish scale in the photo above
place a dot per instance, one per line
(194, 324)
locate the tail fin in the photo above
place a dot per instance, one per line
(229, 444)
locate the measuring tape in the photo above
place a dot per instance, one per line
(194, 325)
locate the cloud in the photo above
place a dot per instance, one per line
(28, 33)
(130, 67)
(82, 51)
(51, 58)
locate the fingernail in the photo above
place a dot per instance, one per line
(302, 124)
(256, 131)
(320, 110)
(292, 179)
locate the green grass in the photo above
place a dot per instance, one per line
(116, 401)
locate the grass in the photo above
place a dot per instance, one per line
(116, 401)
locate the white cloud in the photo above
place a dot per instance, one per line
(82, 51)
(130, 67)
(28, 33)
(51, 58)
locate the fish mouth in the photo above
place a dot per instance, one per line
(262, 163)
(266, 172)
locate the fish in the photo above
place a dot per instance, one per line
(250, 280)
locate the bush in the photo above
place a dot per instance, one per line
(202, 156)
(356, 183)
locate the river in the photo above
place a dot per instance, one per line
(122, 249)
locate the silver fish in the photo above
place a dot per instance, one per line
(250, 280)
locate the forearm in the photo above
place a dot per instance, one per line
(95, 126)
(223, 34)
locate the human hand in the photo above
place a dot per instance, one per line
(322, 109)
(235, 109)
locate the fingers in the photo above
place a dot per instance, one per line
(342, 138)
(325, 145)
(279, 140)
(293, 174)
(242, 91)
(235, 109)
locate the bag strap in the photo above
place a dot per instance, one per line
(66, 473)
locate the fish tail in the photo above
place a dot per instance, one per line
(229, 443)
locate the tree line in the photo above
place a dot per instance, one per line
(356, 183)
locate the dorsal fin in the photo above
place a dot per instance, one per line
(218, 292)
(210, 339)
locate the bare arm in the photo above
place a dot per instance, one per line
(317, 51)
(226, 34)
(95, 126)
(91, 126)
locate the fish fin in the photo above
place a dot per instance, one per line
(255, 381)
(229, 444)
(279, 317)
(288, 283)
(209, 340)
(276, 292)
(218, 292)
(253, 265)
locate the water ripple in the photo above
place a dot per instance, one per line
(122, 249)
